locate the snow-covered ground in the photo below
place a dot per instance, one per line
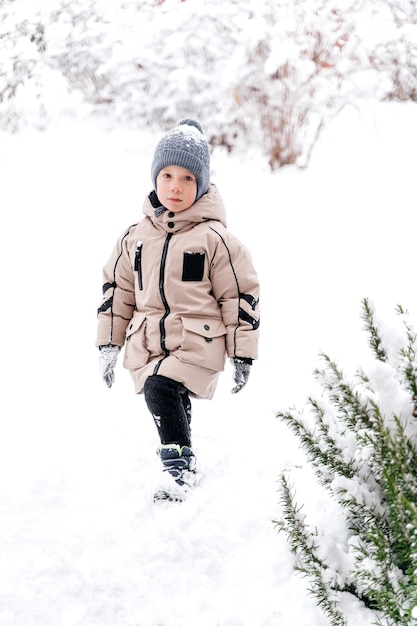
(81, 542)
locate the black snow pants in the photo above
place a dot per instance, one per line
(170, 405)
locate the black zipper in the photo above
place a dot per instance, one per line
(138, 263)
(162, 294)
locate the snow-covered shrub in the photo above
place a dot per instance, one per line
(360, 438)
(266, 75)
(295, 72)
(397, 60)
(260, 74)
(22, 44)
(392, 47)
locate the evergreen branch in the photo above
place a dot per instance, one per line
(314, 448)
(408, 357)
(308, 562)
(374, 339)
(352, 408)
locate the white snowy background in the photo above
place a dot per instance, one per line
(81, 542)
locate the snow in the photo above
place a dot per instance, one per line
(82, 544)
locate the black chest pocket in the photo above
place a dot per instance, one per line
(193, 266)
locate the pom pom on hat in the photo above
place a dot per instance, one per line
(188, 121)
(185, 146)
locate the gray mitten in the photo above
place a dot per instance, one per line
(108, 360)
(241, 372)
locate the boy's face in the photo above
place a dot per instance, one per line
(176, 188)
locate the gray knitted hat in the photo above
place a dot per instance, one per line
(185, 146)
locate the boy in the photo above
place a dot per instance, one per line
(181, 294)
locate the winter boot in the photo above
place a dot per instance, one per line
(179, 473)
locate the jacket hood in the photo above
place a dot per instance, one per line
(209, 207)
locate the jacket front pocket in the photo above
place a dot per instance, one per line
(203, 342)
(136, 355)
(193, 266)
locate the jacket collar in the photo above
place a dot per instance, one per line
(209, 207)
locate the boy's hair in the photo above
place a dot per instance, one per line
(185, 146)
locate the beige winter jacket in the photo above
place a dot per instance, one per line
(181, 294)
